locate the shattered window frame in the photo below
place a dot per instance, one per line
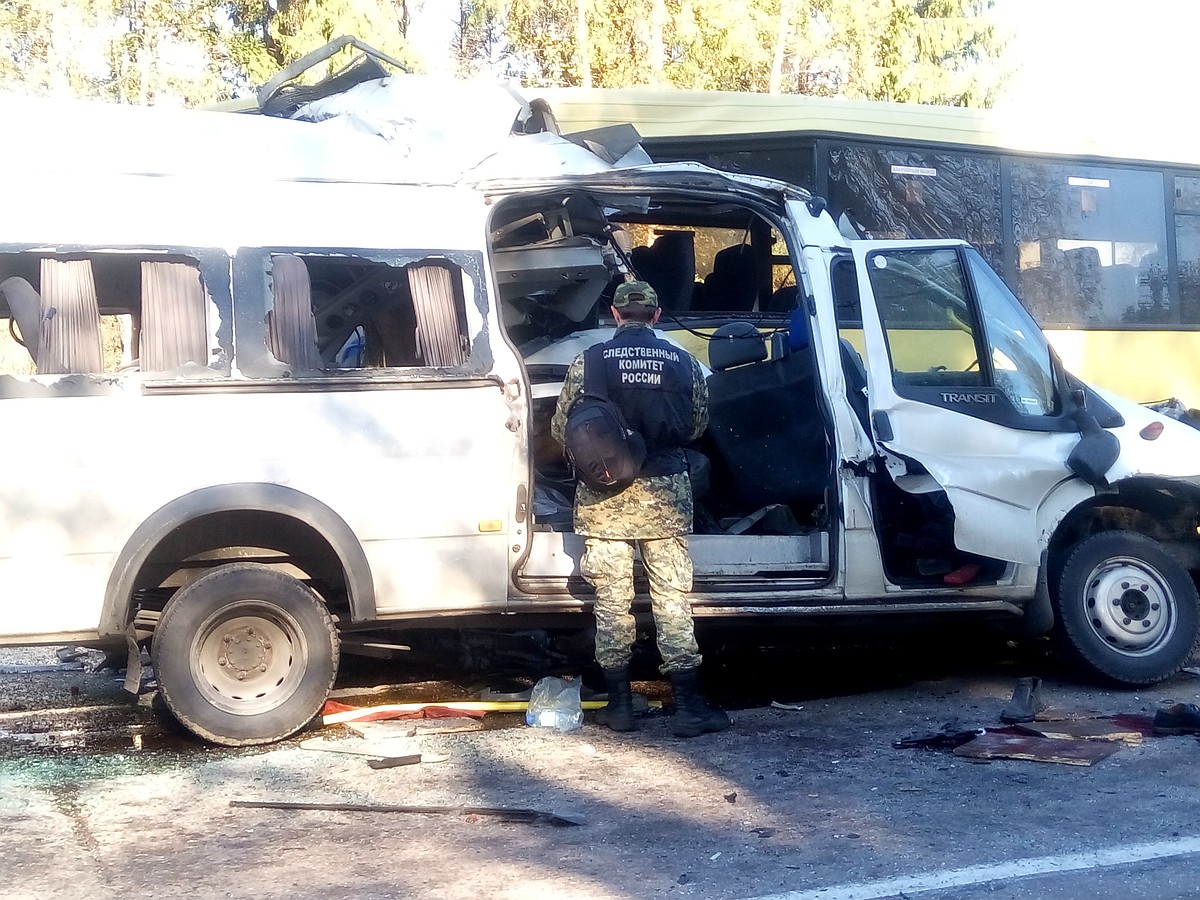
(254, 280)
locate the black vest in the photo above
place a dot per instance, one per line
(651, 381)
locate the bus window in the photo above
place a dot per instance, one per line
(1091, 245)
(1187, 248)
(793, 161)
(347, 312)
(905, 194)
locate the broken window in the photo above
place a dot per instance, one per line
(103, 312)
(332, 312)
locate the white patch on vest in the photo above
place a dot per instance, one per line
(642, 365)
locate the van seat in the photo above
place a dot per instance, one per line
(768, 432)
(669, 266)
(733, 283)
(25, 306)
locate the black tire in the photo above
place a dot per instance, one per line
(1127, 608)
(245, 655)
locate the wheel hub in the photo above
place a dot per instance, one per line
(249, 659)
(246, 653)
(1130, 605)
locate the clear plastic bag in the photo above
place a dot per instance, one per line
(554, 703)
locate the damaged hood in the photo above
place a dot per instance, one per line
(1175, 453)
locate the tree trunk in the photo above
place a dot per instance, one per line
(787, 10)
(654, 50)
(582, 46)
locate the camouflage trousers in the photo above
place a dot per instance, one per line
(608, 567)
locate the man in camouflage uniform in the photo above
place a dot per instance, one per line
(660, 390)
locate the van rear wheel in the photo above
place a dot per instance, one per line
(1127, 608)
(245, 655)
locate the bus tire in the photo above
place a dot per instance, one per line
(1127, 608)
(245, 655)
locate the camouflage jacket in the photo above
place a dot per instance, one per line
(654, 507)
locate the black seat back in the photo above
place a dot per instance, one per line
(669, 266)
(733, 283)
(768, 432)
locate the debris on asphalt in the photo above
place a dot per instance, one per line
(504, 814)
(795, 707)
(447, 725)
(41, 669)
(393, 762)
(943, 740)
(1179, 718)
(380, 731)
(335, 713)
(359, 747)
(555, 703)
(993, 745)
(1087, 730)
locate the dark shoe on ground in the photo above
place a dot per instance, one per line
(1026, 702)
(1182, 718)
(693, 717)
(618, 714)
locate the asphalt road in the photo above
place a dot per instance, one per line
(803, 803)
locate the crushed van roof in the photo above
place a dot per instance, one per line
(402, 129)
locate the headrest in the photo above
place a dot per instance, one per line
(735, 344)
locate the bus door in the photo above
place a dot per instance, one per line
(961, 392)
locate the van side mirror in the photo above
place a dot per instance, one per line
(1097, 449)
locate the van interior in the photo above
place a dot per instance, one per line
(764, 473)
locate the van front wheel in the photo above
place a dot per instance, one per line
(1127, 608)
(245, 655)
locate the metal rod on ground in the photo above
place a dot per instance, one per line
(529, 816)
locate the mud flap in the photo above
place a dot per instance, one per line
(133, 663)
(1038, 618)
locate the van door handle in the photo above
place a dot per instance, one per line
(882, 425)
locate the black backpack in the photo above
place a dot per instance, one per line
(606, 454)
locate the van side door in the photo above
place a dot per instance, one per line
(962, 393)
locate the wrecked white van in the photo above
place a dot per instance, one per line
(263, 398)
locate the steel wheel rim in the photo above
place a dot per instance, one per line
(249, 658)
(1130, 606)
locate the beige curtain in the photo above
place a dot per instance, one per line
(439, 340)
(174, 329)
(291, 327)
(70, 331)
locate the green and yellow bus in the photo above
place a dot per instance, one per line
(1094, 225)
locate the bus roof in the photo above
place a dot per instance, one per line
(1046, 130)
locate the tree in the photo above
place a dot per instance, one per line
(926, 51)
(141, 51)
(271, 34)
(169, 50)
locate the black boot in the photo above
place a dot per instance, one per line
(1026, 702)
(692, 715)
(618, 715)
